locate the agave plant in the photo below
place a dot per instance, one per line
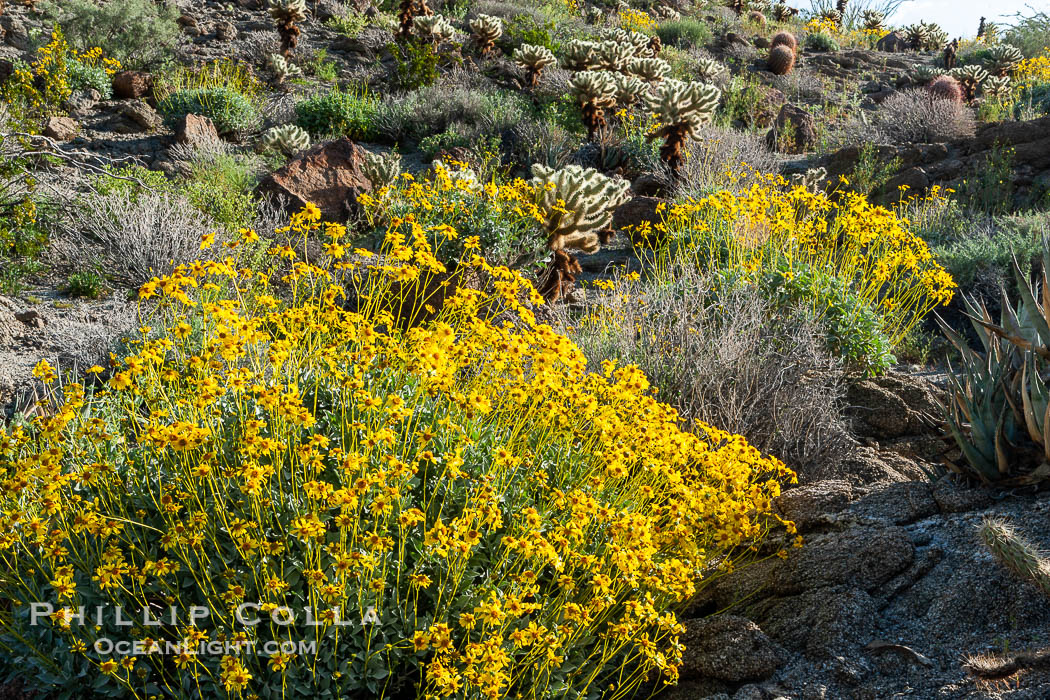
(999, 412)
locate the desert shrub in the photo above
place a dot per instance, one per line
(471, 503)
(349, 24)
(416, 64)
(525, 28)
(132, 181)
(750, 230)
(138, 33)
(221, 185)
(716, 154)
(1031, 34)
(141, 235)
(85, 283)
(980, 257)
(685, 33)
(231, 111)
(850, 329)
(821, 41)
(915, 116)
(84, 76)
(718, 351)
(338, 113)
(496, 218)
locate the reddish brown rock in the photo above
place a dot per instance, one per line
(61, 128)
(132, 84)
(794, 131)
(195, 130)
(328, 175)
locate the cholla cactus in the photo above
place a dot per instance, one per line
(282, 68)
(782, 12)
(433, 28)
(639, 44)
(924, 74)
(873, 20)
(381, 170)
(614, 56)
(289, 139)
(667, 13)
(917, 35)
(1003, 59)
(997, 87)
(407, 13)
(736, 6)
(970, 77)
(580, 55)
(811, 179)
(681, 108)
(629, 89)
(651, 70)
(833, 16)
(1016, 554)
(936, 39)
(576, 204)
(593, 15)
(485, 29)
(594, 90)
(707, 69)
(951, 50)
(287, 14)
(533, 60)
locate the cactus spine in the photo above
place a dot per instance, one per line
(1016, 553)
(681, 108)
(282, 68)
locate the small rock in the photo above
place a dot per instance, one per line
(61, 128)
(729, 648)
(225, 31)
(894, 42)
(196, 130)
(810, 504)
(142, 114)
(794, 131)
(650, 185)
(7, 69)
(329, 175)
(15, 32)
(637, 211)
(31, 318)
(952, 497)
(81, 102)
(132, 84)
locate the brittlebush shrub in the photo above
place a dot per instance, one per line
(493, 518)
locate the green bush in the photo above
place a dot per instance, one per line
(820, 41)
(526, 29)
(416, 64)
(85, 283)
(338, 113)
(138, 33)
(221, 186)
(86, 77)
(852, 330)
(231, 111)
(685, 33)
(1030, 34)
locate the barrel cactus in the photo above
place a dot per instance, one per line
(485, 30)
(781, 60)
(434, 29)
(287, 14)
(652, 70)
(288, 139)
(381, 170)
(1003, 59)
(784, 39)
(594, 91)
(970, 77)
(757, 18)
(945, 87)
(680, 109)
(576, 204)
(533, 60)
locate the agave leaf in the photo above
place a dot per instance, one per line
(981, 465)
(957, 340)
(1031, 418)
(1042, 326)
(1000, 448)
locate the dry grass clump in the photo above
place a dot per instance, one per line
(716, 152)
(916, 116)
(717, 354)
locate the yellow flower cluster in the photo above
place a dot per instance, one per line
(499, 517)
(635, 20)
(1033, 71)
(870, 247)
